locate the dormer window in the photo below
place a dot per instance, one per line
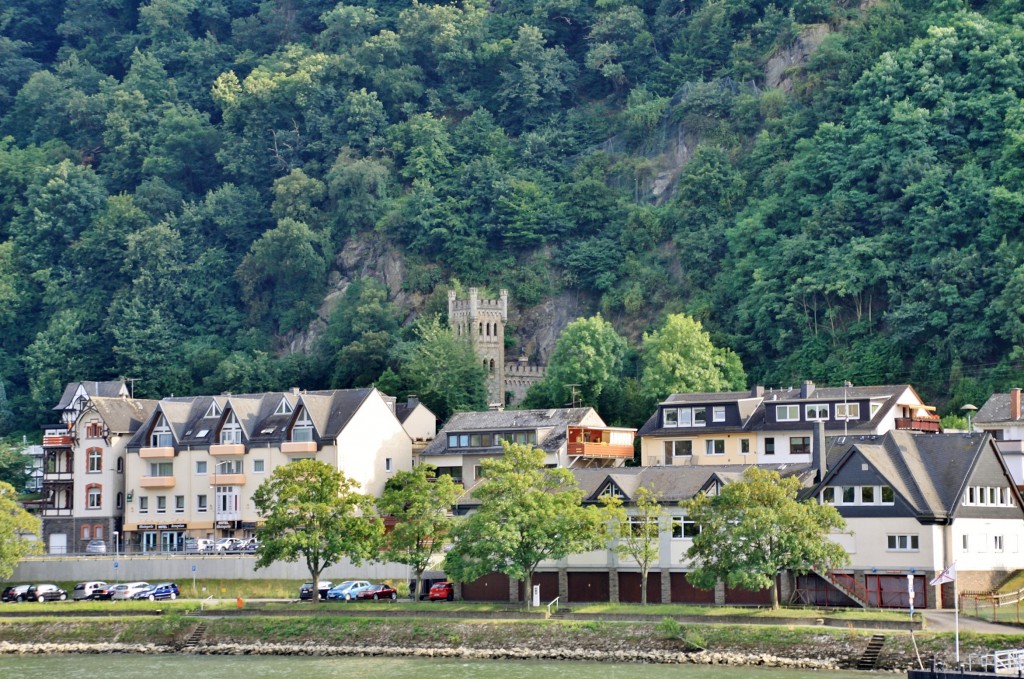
(161, 437)
(611, 490)
(816, 412)
(302, 430)
(213, 410)
(284, 408)
(231, 432)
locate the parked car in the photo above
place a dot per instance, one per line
(441, 590)
(306, 589)
(200, 545)
(127, 590)
(163, 590)
(224, 545)
(249, 546)
(87, 590)
(377, 592)
(103, 593)
(45, 592)
(347, 590)
(14, 593)
(96, 547)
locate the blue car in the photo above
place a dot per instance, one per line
(164, 590)
(347, 590)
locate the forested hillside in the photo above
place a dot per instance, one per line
(182, 182)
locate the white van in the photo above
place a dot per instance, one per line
(85, 590)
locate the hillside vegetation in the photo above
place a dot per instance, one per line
(180, 180)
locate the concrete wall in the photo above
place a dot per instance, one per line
(178, 567)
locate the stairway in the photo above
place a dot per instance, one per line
(196, 636)
(846, 584)
(869, 658)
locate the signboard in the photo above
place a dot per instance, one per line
(116, 565)
(143, 526)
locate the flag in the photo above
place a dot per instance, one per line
(948, 575)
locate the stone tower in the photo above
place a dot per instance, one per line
(483, 321)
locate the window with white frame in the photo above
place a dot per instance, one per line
(161, 504)
(611, 490)
(684, 528)
(161, 436)
(95, 460)
(718, 414)
(200, 467)
(858, 495)
(303, 428)
(213, 410)
(231, 432)
(259, 466)
(94, 496)
(714, 447)
(988, 496)
(769, 445)
(228, 467)
(799, 445)
(179, 504)
(902, 543)
(685, 417)
(201, 503)
(283, 408)
(678, 449)
(790, 413)
(744, 446)
(965, 541)
(847, 411)
(389, 465)
(143, 504)
(161, 469)
(816, 412)
(997, 543)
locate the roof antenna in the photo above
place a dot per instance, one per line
(131, 385)
(573, 398)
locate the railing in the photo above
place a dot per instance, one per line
(918, 424)
(209, 598)
(849, 585)
(1004, 662)
(597, 449)
(1005, 607)
(554, 602)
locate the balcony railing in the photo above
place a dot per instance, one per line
(53, 511)
(58, 476)
(57, 441)
(918, 424)
(227, 449)
(229, 480)
(156, 452)
(298, 447)
(600, 450)
(157, 482)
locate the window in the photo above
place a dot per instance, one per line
(86, 532)
(454, 472)
(849, 495)
(965, 542)
(97, 531)
(94, 430)
(201, 503)
(120, 500)
(992, 496)
(303, 429)
(143, 504)
(161, 504)
(389, 464)
(179, 504)
(847, 411)
(228, 467)
(213, 410)
(120, 465)
(828, 496)
(611, 490)
(718, 414)
(815, 412)
(670, 417)
(997, 543)
(903, 543)
(769, 445)
(715, 446)
(745, 446)
(94, 496)
(94, 457)
(258, 466)
(200, 467)
(684, 528)
(283, 408)
(231, 432)
(161, 469)
(686, 417)
(678, 449)
(787, 413)
(161, 436)
(799, 445)
(867, 495)
(888, 497)
(478, 471)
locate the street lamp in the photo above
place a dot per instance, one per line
(969, 409)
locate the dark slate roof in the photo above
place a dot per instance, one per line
(700, 398)
(672, 483)
(122, 415)
(929, 471)
(996, 411)
(557, 420)
(107, 389)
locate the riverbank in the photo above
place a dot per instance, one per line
(595, 640)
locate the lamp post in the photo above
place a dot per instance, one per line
(970, 408)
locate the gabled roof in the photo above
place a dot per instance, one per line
(929, 471)
(106, 389)
(997, 411)
(555, 421)
(122, 415)
(672, 483)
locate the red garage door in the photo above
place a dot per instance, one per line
(588, 587)
(685, 593)
(744, 597)
(548, 586)
(492, 587)
(629, 587)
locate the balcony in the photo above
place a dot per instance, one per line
(919, 424)
(157, 482)
(594, 442)
(229, 480)
(57, 441)
(58, 475)
(298, 447)
(601, 450)
(227, 449)
(161, 452)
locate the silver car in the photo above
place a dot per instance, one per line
(127, 590)
(96, 547)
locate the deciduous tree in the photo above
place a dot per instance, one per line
(17, 530)
(679, 357)
(313, 512)
(637, 533)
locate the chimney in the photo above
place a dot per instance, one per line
(806, 389)
(412, 402)
(818, 450)
(1015, 403)
(757, 390)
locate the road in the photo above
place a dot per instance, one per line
(942, 621)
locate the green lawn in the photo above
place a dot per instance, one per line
(717, 611)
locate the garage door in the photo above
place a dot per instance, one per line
(492, 587)
(588, 587)
(629, 587)
(58, 543)
(685, 593)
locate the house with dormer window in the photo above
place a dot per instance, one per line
(194, 464)
(570, 437)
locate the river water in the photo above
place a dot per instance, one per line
(265, 667)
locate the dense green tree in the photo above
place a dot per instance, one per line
(680, 357)
(20, 532)
(313, 512)
(587, 359)
(527, 513)
(637, 533)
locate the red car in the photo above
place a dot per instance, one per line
(376, 592)
(441, 590)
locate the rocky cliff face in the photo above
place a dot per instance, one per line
(778, 71)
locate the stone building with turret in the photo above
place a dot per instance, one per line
(483, 322)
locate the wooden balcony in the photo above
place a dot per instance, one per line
(298, 447)
(157, 482)
(228, 449)
(161, 452)
(57, 441)
(919, 424)
(600, 450)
